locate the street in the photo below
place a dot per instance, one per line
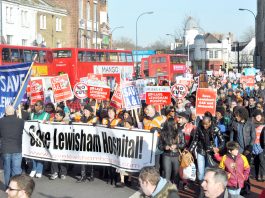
(68, 188)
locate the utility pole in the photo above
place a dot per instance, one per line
(238, 61)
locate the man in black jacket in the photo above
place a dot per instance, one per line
(11, 129)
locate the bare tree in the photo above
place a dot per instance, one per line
(248, 34)
(160, 44)
(124, 43)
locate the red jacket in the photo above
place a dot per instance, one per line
(237, 169)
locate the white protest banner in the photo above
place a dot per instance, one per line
(130, 96)
(158, 95)
(61, 88)
(83, 144)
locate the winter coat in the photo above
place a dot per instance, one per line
(237, 168)
(249, 133)
(204, 140)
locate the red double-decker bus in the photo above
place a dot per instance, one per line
(11, 54)
(78, 62)
(164, 65)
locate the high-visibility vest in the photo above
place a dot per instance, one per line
(113, 123)
(157, 121)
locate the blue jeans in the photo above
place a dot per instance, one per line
(201, 166)
(12, 165)
(37, 166)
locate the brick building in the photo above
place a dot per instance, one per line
(87, 23)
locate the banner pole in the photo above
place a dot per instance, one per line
(29, 71)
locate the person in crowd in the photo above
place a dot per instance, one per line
(127, 120)
(185, 127)
(152, 185)
(237, 167)
(20, 186)
(243, 131)
(251, 106)
(230, 96)
(204, 142)
(89, 118)
(111, 122)
(259, 158)
(180, 106)
(38, 114)
(214, 183)
(11, 129)
(171, 142)
(50, 109)
(170, 112)
(55, 172)
(153, 121)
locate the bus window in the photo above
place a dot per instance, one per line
(42, 55)
(15, 55)
(27, 56)
(62, 54)
(129, 58)
(153, 60)
(122, 57)
(90, 56)
(177, 59)
(6, 55)
(163, 60)
(81, 56)
(113, 57)
(100, 57)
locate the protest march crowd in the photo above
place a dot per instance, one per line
(224, 130)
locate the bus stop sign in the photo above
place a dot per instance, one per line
(80, 90)
(179, 91)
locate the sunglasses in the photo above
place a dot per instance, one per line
(173, 111)
(12, 189)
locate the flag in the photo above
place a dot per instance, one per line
(13, 83)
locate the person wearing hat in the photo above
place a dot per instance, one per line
(89, 118)
(259, 159)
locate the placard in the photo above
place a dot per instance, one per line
(158, 95)
(206, 101)
(61, 88)
(36, 91)
(80, 90)
(130, 96)
(179, 91)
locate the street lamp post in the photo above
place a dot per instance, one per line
(136, 40)
(243, 9)
(111, 33)
(174, 40)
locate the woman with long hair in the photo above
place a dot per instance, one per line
(171, 142)
(205, 139)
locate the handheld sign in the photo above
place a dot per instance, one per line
(116, 100)
(61, 88)
(206, 101)
(179, 91)
(80, 90)
(36, 91)
(130, 96)
(158, 95)
(98, 91)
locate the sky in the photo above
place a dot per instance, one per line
(214, 16)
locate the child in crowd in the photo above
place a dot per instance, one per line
(236, 166)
